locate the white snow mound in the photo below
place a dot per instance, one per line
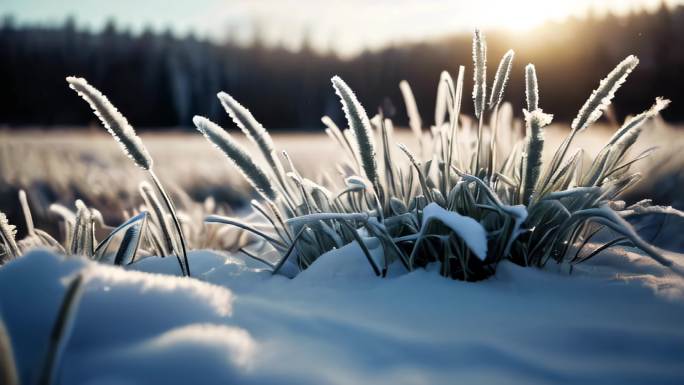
(616, 320)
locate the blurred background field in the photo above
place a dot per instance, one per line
(161, 68)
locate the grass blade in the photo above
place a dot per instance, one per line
(238, 155)
(532, 158)
(61, 331)
(531, 88)
(415, 122)
(480, 73)
(601, 97)
(114, 121)
(500, 79)
(360, 125)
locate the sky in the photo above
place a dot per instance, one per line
(347, 26)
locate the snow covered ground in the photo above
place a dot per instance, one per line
(619, 319)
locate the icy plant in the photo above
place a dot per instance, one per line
(234, 151)
(80, 228)
(163, 231)
(132, 145)
(462, 207)
(464, 199)
(8, 233)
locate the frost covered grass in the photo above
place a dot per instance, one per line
(467, 199)
(123, 132)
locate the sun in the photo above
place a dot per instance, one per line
(522, 15)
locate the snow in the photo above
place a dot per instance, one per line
(348, 260)
(519, 212)
(472, 233)
(615, 320)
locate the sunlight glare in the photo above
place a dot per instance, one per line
(523, 14)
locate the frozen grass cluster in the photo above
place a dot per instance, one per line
(465, 199)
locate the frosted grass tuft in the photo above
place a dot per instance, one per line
(635, 123)
(531, 88)
(255, 132)
(114, 121)
(238, 155)
(8, 233)
(501, 78)
(360, 125)
(480, 73)
(534, 146)
(601, 97)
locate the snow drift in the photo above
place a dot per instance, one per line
(338, 324)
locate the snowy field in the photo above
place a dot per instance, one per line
(615, 320)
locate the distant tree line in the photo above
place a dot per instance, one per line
(159, 80)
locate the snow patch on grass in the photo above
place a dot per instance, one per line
(472, 233)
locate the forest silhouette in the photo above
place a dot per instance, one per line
(159, 80)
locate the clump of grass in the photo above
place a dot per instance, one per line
(526, 211)
(8, 234)
(132, 145)
(80, 228)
